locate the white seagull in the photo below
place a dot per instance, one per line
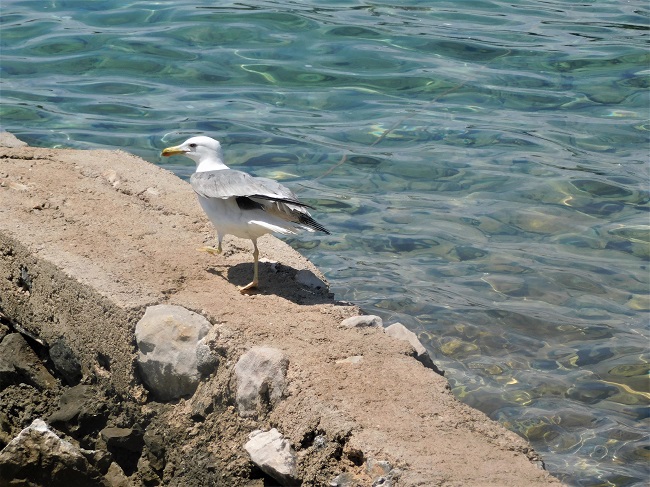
(239, 204)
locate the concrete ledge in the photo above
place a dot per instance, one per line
(90, 239)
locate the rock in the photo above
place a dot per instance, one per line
(116, 477)
(82, 411)
(207, 360)
(155, 444)
(381, 472)
(363, 321)
(18, 362)
(10, 140)
(123, 439)
(273, 454)
(399, 331)
(311, 280)
(354, 359)
(5, 429)
(37, 456)
(167, 339)
(261, 380)
(65, 362)
(4, 329)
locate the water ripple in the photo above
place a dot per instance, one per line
(484, 169)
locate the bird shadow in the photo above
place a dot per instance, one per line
(276, 279)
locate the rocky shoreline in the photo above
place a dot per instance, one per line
(127, 358)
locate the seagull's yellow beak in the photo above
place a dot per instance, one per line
(172, 151)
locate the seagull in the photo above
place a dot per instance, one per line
(240, 204)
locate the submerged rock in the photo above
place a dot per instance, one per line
(167, 338)
(261, 379)
(37, 456)
(273, 454)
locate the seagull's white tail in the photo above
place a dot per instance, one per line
(273, 228)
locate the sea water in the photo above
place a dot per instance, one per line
(482, 165)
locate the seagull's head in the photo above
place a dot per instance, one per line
(200, 149)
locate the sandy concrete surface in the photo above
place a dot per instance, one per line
(89, 239)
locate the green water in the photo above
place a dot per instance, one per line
(482, 165)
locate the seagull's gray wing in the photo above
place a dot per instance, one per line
(253, 193)
(230, 183)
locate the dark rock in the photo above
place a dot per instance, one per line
(5, 429)
(4, 330)
(82, 411)
(125, 444)
(123, 438)
(155, 444)
(16, 354)
(65, 362)
(37, 456)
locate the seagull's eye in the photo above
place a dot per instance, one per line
(193, 146)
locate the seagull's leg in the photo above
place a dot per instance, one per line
(212, 250)
(253, 284)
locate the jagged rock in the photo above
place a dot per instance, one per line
(19, 363)
(65, 362)
(4, 329)
(273, 454)
(5, 429)
(155, 444)
(81, 410)
(116, 477)
(207, 360)
(123, 438)
(399, 331)
(10, 140)
(311, 280)
(261, 379)
(167, 338)
(37, 456)
(363, 321)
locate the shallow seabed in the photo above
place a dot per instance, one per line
(482, 165)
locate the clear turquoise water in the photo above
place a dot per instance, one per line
(483, 166)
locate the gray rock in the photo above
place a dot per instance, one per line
(311, 280)
(399, 331)
(273, 454)
(65, 362)
(207, 360)
(19, 363)
(10, 140)
(37, 456)
(362, 321)
(261, 380)
(167, 339)
(380, 471)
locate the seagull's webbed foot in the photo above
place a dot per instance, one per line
(248, 288)
(210, 250)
